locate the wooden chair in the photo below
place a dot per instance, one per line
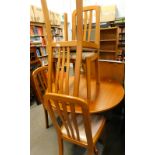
(40, 81)
(79, 44)
(83, 129)
(88, 13)
(88, 55)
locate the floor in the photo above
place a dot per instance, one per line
(44, 141)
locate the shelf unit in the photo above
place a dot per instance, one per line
(38, 39)
(57, 32)
(121, 43)
(108, 42)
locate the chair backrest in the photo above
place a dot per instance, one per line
(91, 14)
(62, 70)
(61, 104)
(40, 81)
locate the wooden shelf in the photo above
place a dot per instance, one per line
(57, 35)
(34, 62)
(108, 28)
(36, 23)
(108, 40)
(122, 33)
(43, 56)
(114, 61)
(56, 26)
(37, 36)
(37, 45)
(112, 51)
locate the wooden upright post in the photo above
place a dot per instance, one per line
(49, 44)
(79, 9)
(65, 27)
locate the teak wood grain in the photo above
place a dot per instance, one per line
(104, 97)
(72, 122)
(40, 82)
(79, 44)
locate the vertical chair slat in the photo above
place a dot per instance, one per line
(66, 116)
(74, 26)
(97, 34)
(62, 117)
(62, 70)
(85, 26)
(65, 27)
(44, 79)
(41, 81)
(67, 72)
(38, 88)
(73, 116)
(57, 72)
(90, 23)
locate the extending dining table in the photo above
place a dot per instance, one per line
(107, 95)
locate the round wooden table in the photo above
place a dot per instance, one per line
(107, 96)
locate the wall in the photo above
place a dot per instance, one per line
(61, 6)
(68, 6)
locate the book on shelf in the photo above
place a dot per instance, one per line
(40, 31)
(36, 40)
(43, 41)
(31, 30)
(38, 52)
(43, 51)
(35, 29)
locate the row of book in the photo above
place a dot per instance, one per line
(57, 31)
(58, 38)
(41, 51)
(37, 41)
(36, 30)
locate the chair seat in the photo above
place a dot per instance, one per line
(73, 55)
(96, 122)
(73, 44)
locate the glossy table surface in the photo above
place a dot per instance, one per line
(103, 98)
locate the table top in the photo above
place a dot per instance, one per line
(107, 96)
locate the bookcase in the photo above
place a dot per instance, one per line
(38, 33)
(121, 42)
(57, 32)
(108, 42)
(38, 39)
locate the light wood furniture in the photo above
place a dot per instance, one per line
(79, 44)
(109, 43)
(83, 130)
(110, 69)
(103, 98)
(40, 81)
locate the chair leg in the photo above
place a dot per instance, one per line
(95, 150)
(60, 141)
(90, 152)
(46, 118)
(88, 74)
